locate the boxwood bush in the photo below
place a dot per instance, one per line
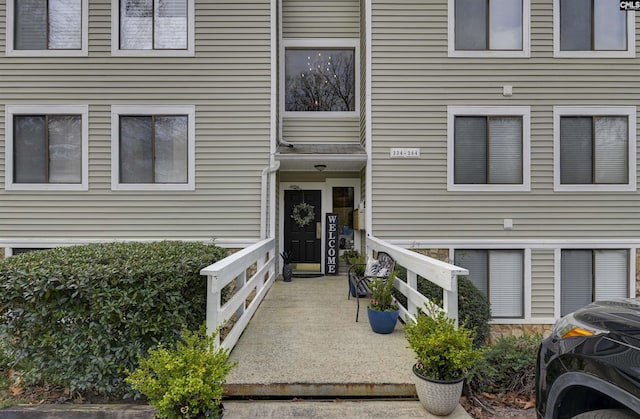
(80, 316)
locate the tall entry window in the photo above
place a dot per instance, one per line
(343, 202)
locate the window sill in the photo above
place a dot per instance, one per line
(157, 187)
(47, 187)
(489, 188)
(595, 188)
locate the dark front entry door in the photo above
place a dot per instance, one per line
(302, 213)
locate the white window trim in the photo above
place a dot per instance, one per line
(526, 286)
(321, 43)
(10, 41)
(628, 111)
(10, 111)
(630, 52)
(557, 271)
(524, 112)
(115, 37)
(117, 111)
(525, 52)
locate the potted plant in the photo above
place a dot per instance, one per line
(382, 310)
(444, 353)
(185, 381)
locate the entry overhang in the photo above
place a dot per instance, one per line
(336, 157)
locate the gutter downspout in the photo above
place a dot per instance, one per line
(368, 123)
(268, 194)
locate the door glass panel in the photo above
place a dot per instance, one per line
(343, 206)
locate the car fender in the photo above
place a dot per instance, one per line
(574, 379)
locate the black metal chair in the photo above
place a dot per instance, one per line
(359, 283)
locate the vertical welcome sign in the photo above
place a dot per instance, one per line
(331, 248)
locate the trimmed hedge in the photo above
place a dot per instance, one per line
(80, 316)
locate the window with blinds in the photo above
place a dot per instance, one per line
(488, 25)
(488, 149)
(153, 24)
(589, 275)
(592, 25)
(154, 149)
(47, 24)
(47, 149)
(499, 274)
(594, 150)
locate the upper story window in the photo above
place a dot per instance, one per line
(46, 148)
(47, 27)
(320, 78)
(498, 274)
(593, 28)
(588, 275)
(153, 27)
(486, 28)
(594, 148)
(153, 147)
(488, 148)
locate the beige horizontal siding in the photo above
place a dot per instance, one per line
(413, 83)
(321, 130)
(542, 286)
(228, 81)
(320, 19)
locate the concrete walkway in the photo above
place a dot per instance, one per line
(303, 342)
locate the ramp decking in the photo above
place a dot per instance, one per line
(303, 341)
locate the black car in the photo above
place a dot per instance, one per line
(590, 365)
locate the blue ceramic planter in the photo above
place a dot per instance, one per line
(382, 322)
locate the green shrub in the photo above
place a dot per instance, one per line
(474, 310)
(185, 382)
(80, 316)
(443, 351)
(507, 366)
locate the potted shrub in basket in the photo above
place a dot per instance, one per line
(185, 381)
(444, 354)
(382, 310)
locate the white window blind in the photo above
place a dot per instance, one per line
(136, 24)
(65, 149)
(65, 24)
(505, 17)
(612, 274)
(505, 150)
(506, 279)
(170, 24)
(611, 145)
(171, 142)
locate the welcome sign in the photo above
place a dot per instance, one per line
(331, 248)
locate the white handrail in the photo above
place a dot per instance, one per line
(443, 274)
(235, 267)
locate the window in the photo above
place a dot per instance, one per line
(46, 148)
(47, 27)
(589, 275)
(153, 27)
(594, 148)
(593, 28)
(320, 78)
(499, 274)
(488, 148)
(153, 148)
(485, 28)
